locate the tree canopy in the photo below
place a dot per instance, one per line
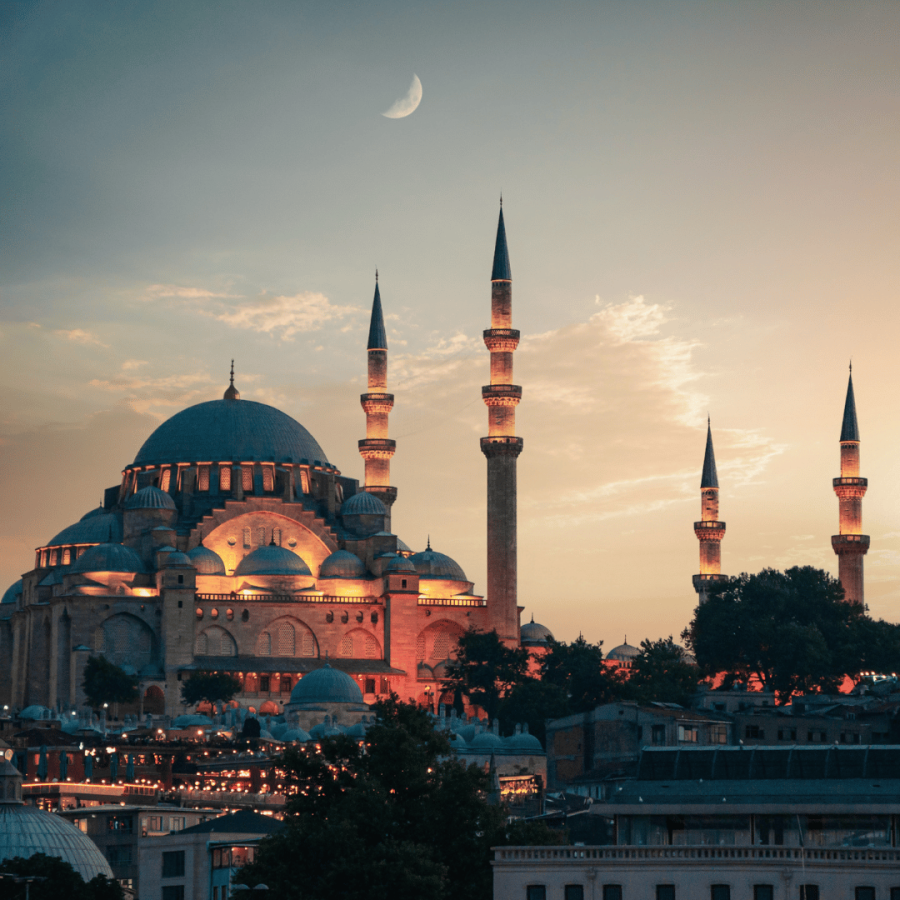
(58, 879)
(105, 682)
(791, 631)
(213, 687)
(662, 673)
(578, 669)
(392, 819)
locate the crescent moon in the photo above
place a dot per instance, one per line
(408, 103)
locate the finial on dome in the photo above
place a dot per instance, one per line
(429, 542)
(376, 273)
(232, 393)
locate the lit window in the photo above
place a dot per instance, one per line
(199, 613)
(268, 478)
(441, 645)
(276, 536)
(371, 647)
(308, 645)
(264, 644)
(247, 478)
(43, 559)
(67, 556)
(420, 647)
(688, 735)
(304, 480)
(224, 478)
(214, 613)
(52, 557)
(229, 614)
(285, 639)
(164, 479)
(261, 537)
(347, 645)
(246, 535)
(203, 478)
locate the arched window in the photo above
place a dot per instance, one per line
(268, 478)
(224, 478)
(264, 644)
(304, 480)
(245, 615)
(371, 647)
(247, 477)
(285, 639)
(164, 479)
(441, 645)
(214, 613)
(276, 536)
(261, 537)
(43, 559)
(229, 614)
(67, 556)
(420, 647)
(246, 538)
(201, 646)
(347, 645)
(52, 557)
(308, 644)
(203, 478)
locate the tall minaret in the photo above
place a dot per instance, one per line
(377, 449)
(502, 448)
(709, 529)
(850, 545)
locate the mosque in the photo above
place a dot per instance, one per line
(233, 544)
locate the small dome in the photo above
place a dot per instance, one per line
(325, 729)
(206, 561)
(326, 685)
(294, 734)
(342, 564)
(400, 564)
(533, 633)
(486, 742)
(623, 653)
(458, 742)
(363, 504)
(108, 558)
(402, 548)
(96, 527)
(192, 721)
(356, 731)
(431, 564)
(32, 713)
(272, 560)
(178, 559)
(150, 497)
(13, 592)
(524, 742)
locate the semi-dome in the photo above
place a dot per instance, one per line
(326, 685)
(150, 497)
(342, 564)
(431, 564)
(108, 558)
(272, 560)
(229, 431)
(363, 504)
(206, 561)
(13, 592)
(400, 564)
(26, 830)
(534, 633)
(623, 653)
(96, 527)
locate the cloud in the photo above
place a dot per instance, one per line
(183, 293)
(157, 395)
(80, 336)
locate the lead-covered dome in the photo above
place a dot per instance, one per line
(96, 527)
(272, 560)
(363, 504)
(342, 564)
(206, 561)
(230, 431)
(534, 633)
(150, 497)
(326, 685)
(623, 653)
(431, 564)
(108, 558)
(13, 592)
(400, 564)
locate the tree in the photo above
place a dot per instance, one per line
(791, 631)
(213, 687)
(393, 819)
(59, 879)
(578, 669)
(105, 682)
(661, 673)
(533, 702)
(486, 669)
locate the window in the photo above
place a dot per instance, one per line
(203, 478)
(895, 893)
(787, 734)
(816, 737)
(151, 823)
(176, 823)
(52, 557)
(849, 737)
(224, 478)
(763, 892)
(347, 645)
(720, 892)
(199, 613)
(120, 824)
(659, 734)
(688, 735)
(403, 583)
(285, 639)
(247, 482)
(612, 892)
(308, 645)
(173, 864)
(245, 615)
(164, 479)
(574, 892)
(865, 893)
(536, 892)
(718, 734)
(229, 614)
(67, 556)
(809, 892)
(371, 647)
(119, 855)
(263, 644)
(81, 825)
(441, 645)
(173, 892)
(276, 536)
(268, 478)
(370, 685)
(264, 684)
(665, 892)
(754, 732)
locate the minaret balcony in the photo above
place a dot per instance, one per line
(705, 582)
(501, 446)
(385, 493)
(501, 394)
(376, 403)
(501, 340)
(377, 448)
(851, 544)
(850, 488)
(709, 531)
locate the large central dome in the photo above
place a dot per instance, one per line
(230, 431)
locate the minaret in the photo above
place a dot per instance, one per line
(502, 448)
(850, 545)
(709, 529)
(377, 449)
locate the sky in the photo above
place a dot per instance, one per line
(701, 204)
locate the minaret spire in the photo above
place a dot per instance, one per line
(709, 529)
(851, 545)
(377, 449)
(502, 448)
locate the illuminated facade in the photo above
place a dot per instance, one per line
(709, 529)
(233, 544)
(851, 545)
